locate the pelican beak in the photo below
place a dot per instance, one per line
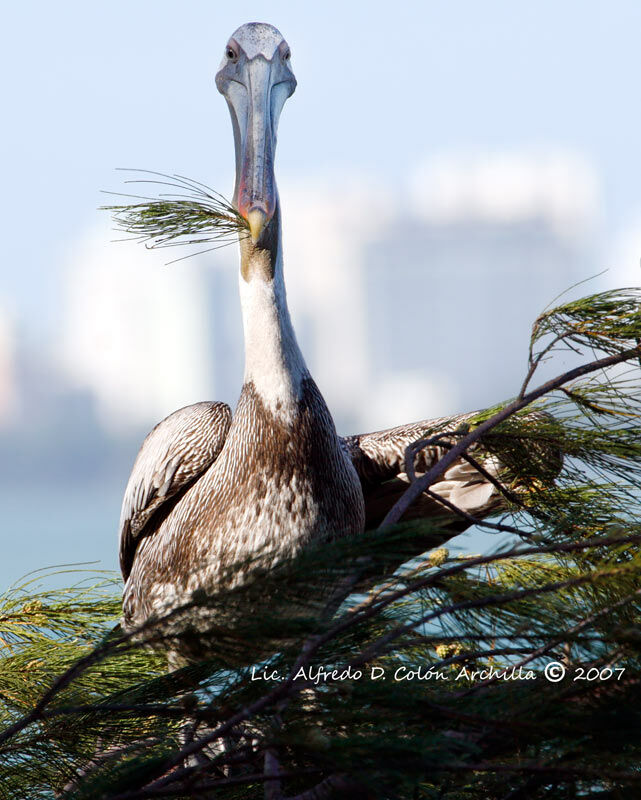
(257, 220)
(255, 88)
(256, 192)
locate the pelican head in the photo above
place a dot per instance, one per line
(256, 78)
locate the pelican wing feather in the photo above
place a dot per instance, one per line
(379, 460)
(176, 452)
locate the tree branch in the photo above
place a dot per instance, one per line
(418, 486)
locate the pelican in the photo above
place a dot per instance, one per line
(209, 489)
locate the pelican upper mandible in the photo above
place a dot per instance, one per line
(209, 489)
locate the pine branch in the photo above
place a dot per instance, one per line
(415, 489)
(192, 214)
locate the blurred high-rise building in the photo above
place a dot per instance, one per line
(137, 333)
(420, 303)
(406, 305)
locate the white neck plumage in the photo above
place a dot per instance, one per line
(274, 363)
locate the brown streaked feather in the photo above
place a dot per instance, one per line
(379, 460)
(380, 455)
(176, 452)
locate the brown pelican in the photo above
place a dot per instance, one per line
(209, 489)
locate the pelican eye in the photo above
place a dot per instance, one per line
(231, 54)
(285, 52)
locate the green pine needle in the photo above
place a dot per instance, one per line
(192, 215)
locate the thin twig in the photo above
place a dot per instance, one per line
(273, 788)
(495, 526)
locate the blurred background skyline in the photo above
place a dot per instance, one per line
(445, 172)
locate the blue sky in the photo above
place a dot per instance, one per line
(91, 86)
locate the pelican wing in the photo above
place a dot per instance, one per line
(379, 459)
(176, 452)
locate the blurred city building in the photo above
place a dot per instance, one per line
(406, 305)
(135, 332)
(421, 303)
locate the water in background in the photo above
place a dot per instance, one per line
(79, 524)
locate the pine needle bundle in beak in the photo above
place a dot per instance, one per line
(191, 215)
